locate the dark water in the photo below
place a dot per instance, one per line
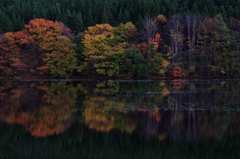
(120, 119)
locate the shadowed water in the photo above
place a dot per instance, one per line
(120, 119)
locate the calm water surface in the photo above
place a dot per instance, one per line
(120, 119)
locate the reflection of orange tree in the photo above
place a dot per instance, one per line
(50, 119)
(14, 105)
(156, 115)
(54, 116)
(51, 115)
(150, 121)
(178, 83)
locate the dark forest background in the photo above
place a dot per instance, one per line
(15, 13)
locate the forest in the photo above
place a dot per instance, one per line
(120, 38)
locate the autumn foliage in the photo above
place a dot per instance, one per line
(201, 46)
(105, 47)
(41, 115)
(144, 48)
(39, 49)
(178, 72)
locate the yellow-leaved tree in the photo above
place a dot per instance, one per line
(105, 47)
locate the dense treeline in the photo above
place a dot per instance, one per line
(142, 45)
(78, 14)
(183, 45)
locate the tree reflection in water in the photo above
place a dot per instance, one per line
(42, 108)
(178, 109)
(90, 119)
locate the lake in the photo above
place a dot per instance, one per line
(175, 119)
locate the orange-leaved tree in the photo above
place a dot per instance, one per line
(39, 49)
(8, 48)
(153, 58)
(58, 56)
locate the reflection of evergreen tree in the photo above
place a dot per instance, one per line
(80, 142)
